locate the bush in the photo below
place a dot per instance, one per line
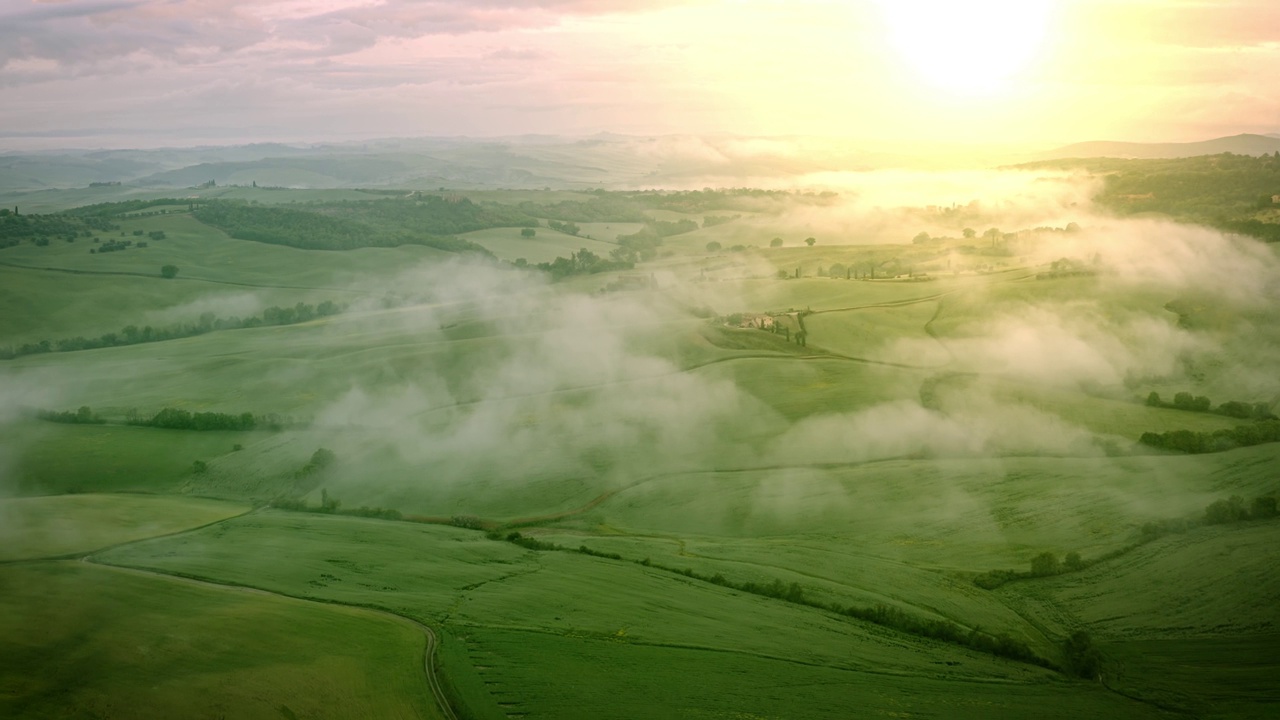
(1045, 563)
(199, 467)
(169, 271)
(1263, 508)
(1082, 658)
(1225, 511)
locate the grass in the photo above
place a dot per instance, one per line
(547, 245)
(54, 458)
(553, 634)
(85, 641)
(204, 253)
(802, 474)
(59, 525)
(1207, 582)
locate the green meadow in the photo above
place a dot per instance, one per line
(605, 496)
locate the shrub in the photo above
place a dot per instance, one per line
(169, 271)
(1263, 508)
(1225, 511)
(1082, 658)
(1046, 563)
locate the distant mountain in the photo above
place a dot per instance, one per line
(1244, 144)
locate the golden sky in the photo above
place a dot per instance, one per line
(1024, 72)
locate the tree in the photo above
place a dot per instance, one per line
(776, 242)
(810, 241)
(1153, 400)
(199, 466)
(713, 246)
(169, 271)
(1073, 561)
(969, 233)
(921, 237)
(1083, 659)
(1225, 511)
(1263, 507)
(528, 232)
(1046, 563)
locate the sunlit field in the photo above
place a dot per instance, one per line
(614, 454)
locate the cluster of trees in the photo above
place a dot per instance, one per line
(584, 262)
(1079, 655)
(1069, 267)
(567, 228)
(126, 207)
(1199, 403)
(323, 227)
(1043, 565)
(320, 460)
(40, 229)
(668, 228)
(115, 246)
(1192, 442)
(1232, 510)
(713, 220)
(82, 416)
(1224, 191)
(208, 322)
(177, 419)
(640, 245)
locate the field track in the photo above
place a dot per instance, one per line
(429, 654)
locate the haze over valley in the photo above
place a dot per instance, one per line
(566, 360)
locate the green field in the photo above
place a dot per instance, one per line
(121, 644)
(714, 521)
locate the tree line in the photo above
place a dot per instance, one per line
(999, 644)
(1200, 403)
(167, 418)
(1193, 442)
(40, 229)
(207, 323)
(583, 262)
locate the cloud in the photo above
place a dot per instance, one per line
(191, 32)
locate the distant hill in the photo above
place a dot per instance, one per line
(1244, 144)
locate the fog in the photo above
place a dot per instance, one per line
(491, 378)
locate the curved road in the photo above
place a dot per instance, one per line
(429, 657)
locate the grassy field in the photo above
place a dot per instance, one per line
(86, 641)
(577, 620)
(929, 431)
(547, 245)
(57, 525)
(59, 458)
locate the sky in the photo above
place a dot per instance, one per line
(1028, 73)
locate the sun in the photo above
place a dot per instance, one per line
(967, 47)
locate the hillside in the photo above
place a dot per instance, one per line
(1244, 144)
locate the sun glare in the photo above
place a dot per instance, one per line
(969, 47)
